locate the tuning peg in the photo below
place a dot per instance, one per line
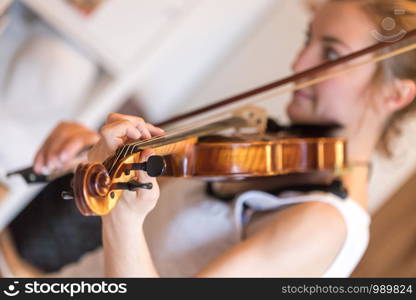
(154, 166)
(133, 185)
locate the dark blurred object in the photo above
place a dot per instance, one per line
(304, 130)
(29, 175)
(51, 233)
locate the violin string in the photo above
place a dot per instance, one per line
(163, 140)
(125, 148)
(117, 158)
(124, 151)
(171, 133)
(180, 130)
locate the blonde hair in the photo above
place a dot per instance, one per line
(402, 15)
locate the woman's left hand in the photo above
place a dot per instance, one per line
(137, 205)
(119, 129)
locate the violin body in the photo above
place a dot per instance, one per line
(233, 158)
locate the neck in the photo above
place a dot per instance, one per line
(362, 143)
(356, 182)
(363, 138)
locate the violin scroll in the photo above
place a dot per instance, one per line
(91, 185)
(96, 190)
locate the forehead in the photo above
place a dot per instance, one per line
(346, 21)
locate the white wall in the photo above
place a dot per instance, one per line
(265, 57)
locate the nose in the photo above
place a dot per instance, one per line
(304, 61)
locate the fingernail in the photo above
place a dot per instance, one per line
(63, 156)
(51, 166)
(45, 171)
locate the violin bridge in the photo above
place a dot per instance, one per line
(255, 117)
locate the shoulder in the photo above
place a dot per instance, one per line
(316, 225)
(321, 217)
(310, 235)
(320, 212)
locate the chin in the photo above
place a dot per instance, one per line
(299, 113)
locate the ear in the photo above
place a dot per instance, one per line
(404, 92)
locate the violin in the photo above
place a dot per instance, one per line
(197, 154)
(247, 151)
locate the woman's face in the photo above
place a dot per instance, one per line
(338, 29)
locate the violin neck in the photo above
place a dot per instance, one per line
(189, 133)
(174, 141)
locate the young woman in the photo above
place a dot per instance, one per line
(262, 234)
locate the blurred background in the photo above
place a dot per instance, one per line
(80, 60)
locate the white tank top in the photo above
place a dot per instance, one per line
(188, 229)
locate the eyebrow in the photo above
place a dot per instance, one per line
(334, 40)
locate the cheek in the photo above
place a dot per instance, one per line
(335, 101)
(342, 99)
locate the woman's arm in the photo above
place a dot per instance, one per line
(126, 253)
(301, 240)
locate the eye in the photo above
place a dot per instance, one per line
(330, 53)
